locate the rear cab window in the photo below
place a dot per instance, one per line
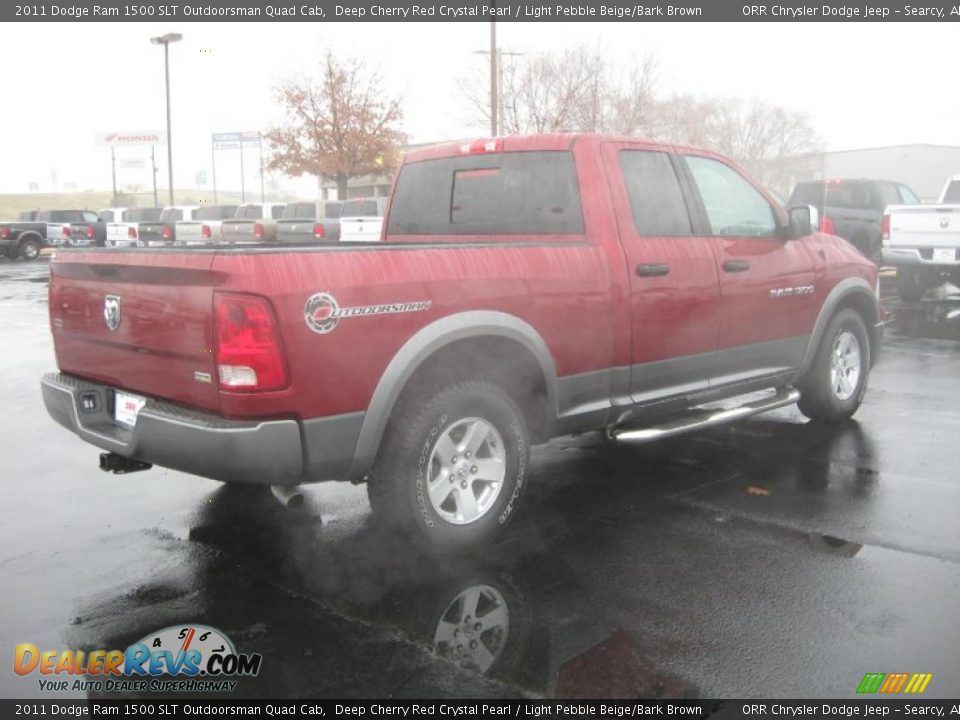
(504, 193)
(250, 212)
(171, 215)
(215, 212)
(300, 211)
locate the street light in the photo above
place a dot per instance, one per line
(165, 40)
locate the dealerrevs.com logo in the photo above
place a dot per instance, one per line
(179, 658)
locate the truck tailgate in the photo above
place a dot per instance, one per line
(924, 226)
(162, 343)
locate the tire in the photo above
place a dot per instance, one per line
(29, 249)
(834, 386)
(477, 490)
(911, 285)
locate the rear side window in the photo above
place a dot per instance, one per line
(952, 195)
(734, 207)
(521, 193)
(656, 200)
(171, 215)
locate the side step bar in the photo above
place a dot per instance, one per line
(699, 420)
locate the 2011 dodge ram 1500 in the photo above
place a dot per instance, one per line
(525, 288)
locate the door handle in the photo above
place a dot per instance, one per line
(653, 269)
(736, 265)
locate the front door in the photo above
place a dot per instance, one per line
(767, 283)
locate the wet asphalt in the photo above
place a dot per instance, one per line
(772, 558)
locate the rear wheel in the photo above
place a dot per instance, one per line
(30, 249)
(451, 469)
(911, 284)
(834, 386)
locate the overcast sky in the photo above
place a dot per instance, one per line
(863, 84)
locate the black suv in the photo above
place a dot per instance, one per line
(854, 207)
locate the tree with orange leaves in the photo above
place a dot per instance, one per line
(339, 126)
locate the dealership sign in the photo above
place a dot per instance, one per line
(234, 140)
(133, 137)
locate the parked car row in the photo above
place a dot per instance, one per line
(25, 237)
(257, 223)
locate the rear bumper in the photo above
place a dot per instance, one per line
(904, 256)
(260, 452)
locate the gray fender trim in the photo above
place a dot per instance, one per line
(841, 291)
(425, 343)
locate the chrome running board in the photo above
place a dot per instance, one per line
(701, 419)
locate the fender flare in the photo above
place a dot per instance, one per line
(842, 291)
(427, 341)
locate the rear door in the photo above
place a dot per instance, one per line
(768, 301)
(674, 287)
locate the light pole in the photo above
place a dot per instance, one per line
(165, 40)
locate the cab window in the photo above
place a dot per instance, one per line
(733, 206)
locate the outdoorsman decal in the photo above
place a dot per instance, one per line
(322, 312)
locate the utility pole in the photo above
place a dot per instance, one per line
(493, 78)
(165, 40)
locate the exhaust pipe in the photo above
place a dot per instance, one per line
(120, 465)
(288, 495)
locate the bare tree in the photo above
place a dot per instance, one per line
(767, 139)
(576, 89)
(339, 125)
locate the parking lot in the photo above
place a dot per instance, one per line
(771, 557)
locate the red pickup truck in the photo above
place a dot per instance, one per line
(523, 288)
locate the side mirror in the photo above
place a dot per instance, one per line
(804, 220)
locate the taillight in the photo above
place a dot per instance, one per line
(319, 231)
(67, 233)
(89, 232)
(205, 232)
(826, 226)
(132, 232)
(885, 227)
(257, 230)
(4, 232)
(166, 233)
(249, 354)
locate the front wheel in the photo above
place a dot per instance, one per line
(452, 468)
(834, 386)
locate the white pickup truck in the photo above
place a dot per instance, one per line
(923, 243)
(206, 227)
(122, 231)
(361, 220)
